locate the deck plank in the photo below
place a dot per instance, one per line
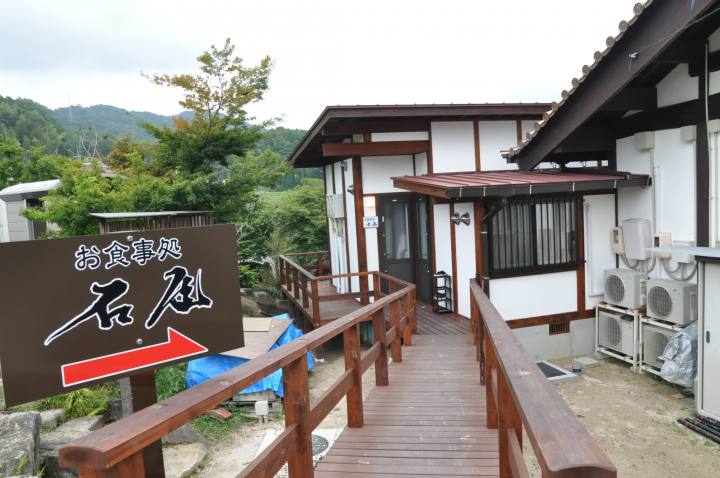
(429, 422)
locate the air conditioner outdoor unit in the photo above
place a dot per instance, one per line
(616, 333)
(654, 341)
(625, 288)
(335, 209)
(672, 301)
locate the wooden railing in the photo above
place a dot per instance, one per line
(518, 394)
(117, 449)
(301, 275)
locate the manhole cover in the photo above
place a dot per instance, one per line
(319, 444)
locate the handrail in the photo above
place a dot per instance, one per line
(518, 394)
(117, 449)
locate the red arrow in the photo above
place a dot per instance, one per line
(177, 346)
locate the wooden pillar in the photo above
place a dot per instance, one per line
(351, 345)
(396, 346)
(580, 234)
(453, 246)
(297, 411)
(144, 394)
(315, 303)
(360, 229)
(491, 406)
(702, 172)
(381, 363)
(408, 307)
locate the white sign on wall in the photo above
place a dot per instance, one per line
(370, 222)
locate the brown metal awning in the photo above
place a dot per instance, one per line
(517, 183)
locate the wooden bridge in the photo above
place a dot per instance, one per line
(451, 404)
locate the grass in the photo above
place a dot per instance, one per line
(213, 429)
(21, 464)
(78, 403)
(170, 380)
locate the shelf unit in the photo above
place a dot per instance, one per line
(442, 296)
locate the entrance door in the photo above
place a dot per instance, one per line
(404, 240)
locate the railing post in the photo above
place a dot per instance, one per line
(396, 346)
(508, 419)
(377, 293)
(304, 291)
(351, 345)
(296, 291)
(491, 406)
(408, 308)
(320, 270)
(315, 302)
(381, 363)
(288, 276)
(297, 411)
(414, 310)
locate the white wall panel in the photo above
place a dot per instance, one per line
(542, 346)
(4, 235)
(453, 146)
(421, 166)
(371, 244)
(531, 296)
(494, 137)
(350, 218)
(677, 87)
(409, 136)
(441, 236)
(378, 171)
(599, 221)
(465, 254)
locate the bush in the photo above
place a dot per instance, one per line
(80, 403)
(170, 380)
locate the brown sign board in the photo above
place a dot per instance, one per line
(85, 310)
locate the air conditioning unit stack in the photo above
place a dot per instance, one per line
(653, 345)
(616, 333)
(625, 288)
(672, 301)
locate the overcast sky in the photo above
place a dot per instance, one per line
(325, 52)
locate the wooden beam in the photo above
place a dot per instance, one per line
(347, 127)
(586, 139)
(360, 229)
(453, 246)
(654, 30)
(383, 148)
(702, 167)
(633, 99)
(668, 117)
(696, 68)
(550, 319)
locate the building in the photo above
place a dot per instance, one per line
(14, 226)
(418, 190)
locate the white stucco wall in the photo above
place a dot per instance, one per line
(531, 296)
(421, 164)
(441, 238)
(352, 234)
(542, 346)
(18, 225)
(378, 171)
(409, 136)
(677, 87)
(599, 221)
(453, 146)
(494, 137)
(465, 254)
(4, 236)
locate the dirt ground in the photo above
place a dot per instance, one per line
(632, 416)
(227, 458)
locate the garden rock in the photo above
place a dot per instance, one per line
(50, 443)
(19, 451)
(181, 461)
(52, 418)
(184, 434)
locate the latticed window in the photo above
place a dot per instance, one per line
(532, 235)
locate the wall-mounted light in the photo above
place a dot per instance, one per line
(369, 205)
(457, 218)
(351, 189)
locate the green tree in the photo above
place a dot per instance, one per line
(11, 162)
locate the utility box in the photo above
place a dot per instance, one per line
(638, 239)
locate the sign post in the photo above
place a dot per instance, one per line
(86, 310)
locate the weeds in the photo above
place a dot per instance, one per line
(21, 464)
(170, 380)
(213, 429)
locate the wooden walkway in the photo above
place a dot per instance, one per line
(430, 420)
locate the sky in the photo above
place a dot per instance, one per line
(325, 52)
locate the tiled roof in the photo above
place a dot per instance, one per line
(587, 70)
(515, 182)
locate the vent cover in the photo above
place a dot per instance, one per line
(614, 289)
(659, 301)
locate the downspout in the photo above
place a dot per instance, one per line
(495, 208)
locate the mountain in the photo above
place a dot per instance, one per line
(109, 120)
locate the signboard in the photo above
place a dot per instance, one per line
(370, 222)
(89, 309)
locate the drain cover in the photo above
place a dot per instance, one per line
(319, 444)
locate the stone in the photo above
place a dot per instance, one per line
(19, 451)
(184, 434)
(181, 461)
(52, 418)
(51, 442)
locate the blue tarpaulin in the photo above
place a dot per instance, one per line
(206, 368)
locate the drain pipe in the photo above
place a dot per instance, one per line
(484, 274)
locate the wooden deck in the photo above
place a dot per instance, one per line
(430, 420)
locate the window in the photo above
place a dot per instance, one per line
(532, 235)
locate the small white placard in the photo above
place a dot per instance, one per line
(370, 222)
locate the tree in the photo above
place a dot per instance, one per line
(11, 162)
(216, 97)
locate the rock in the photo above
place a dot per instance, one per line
(182, 460)
(184, 434)
(51, 442)
(52, 418)
(19, 452)
(114, 411)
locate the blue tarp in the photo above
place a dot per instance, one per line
(206, 368)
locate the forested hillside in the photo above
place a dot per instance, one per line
(79, 131)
